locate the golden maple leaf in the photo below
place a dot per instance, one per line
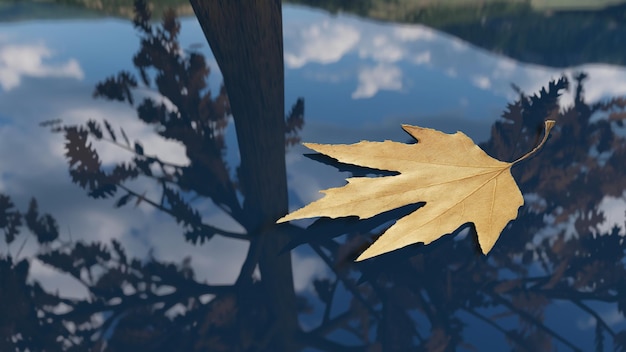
(459, 182)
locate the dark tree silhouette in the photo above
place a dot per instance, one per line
(578, 167)
(254, 78)
(417, 298)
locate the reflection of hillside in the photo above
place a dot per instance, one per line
(521, 30)
(78, 9)
(25, 11)
(434, 14)
(559, 40)
(124, 8)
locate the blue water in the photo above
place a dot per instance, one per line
(360, 79)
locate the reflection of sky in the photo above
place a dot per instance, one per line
(360, 80)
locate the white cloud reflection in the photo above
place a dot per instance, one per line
(324, 43)
(20, 60)
(334, 40)
(374, 79)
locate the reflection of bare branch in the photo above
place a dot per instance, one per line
(349, 285)
(320, 343)
(537, 286)
(596, 316)
(508, 334)
(534, 321)
(206, 227)
(251, 261)
(19, 251)
(329, 304)
(132, 150)
(330, 325)
(192, 289)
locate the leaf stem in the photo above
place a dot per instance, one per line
(548, 126)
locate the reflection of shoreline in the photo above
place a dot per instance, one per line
(584, 34)
(77, 9)
(381, 10)
(30, 11)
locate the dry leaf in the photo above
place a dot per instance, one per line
(459, 182)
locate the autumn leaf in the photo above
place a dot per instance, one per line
(456, 179)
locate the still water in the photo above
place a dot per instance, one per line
(551, 283)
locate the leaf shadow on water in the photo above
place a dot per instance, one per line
(417, 298)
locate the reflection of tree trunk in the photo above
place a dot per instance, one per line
(246, 39)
